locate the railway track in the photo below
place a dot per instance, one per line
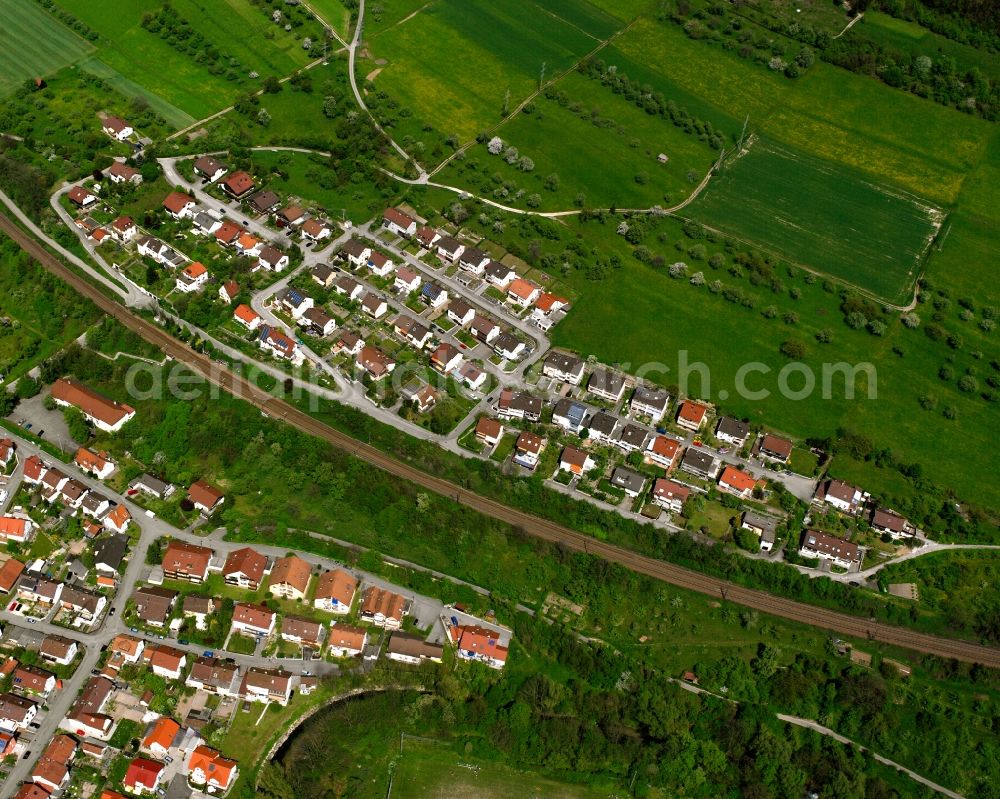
(762, 601)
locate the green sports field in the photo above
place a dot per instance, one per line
(823, 216)
(35, 44)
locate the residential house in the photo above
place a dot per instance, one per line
(449, 249)
(527, 449)
(570, 414)
(228, 291)
(484, 329)
(117, 128)
(824, 546)
(16, 529)
(58, 649)
(117, 521)
(86, 717)
(489, 431)
(375, 362)
(732, 431)
(248, 245)
(473, 260)
(604, 428)
(110, 552)
(123, 173)
(290, 216)
(266, 685)
(294, 302)
(105, 414)
(160, 737)
(318, 322)
(314, 230)
(413, 331)
(247, 317)
(519, 405)
(51, 772)
(764, 527)
(89, 605)
(888, 521)
(123, 229)
(633, 438)
(95, 463)
(412, 649)
(16, 712)
(663, 451)
(692, 415)
(10, 572)
(563, 366)
(213, 675)
(33, 680)
(509, 346)
(354, 252)
(253, 619)
(35, 588)
(775, 448)
(345, 640)
(349, 342)
(81, 197)
(272, 259)
(209, 168)
(206, 767)
(7, 448)
(143, 776)
(471, 375)
(607, 385)
(651, 402)
(303, 632)
(184, 561)
(479, 644)
(499, 274)
(125, 650)
(461, 312)
(335, 591)
(383, 608)
(445, 358)
(373, 305)
(205, 497)
(420, 395)
(843, 496)
(290, 577)
(245, 568)
(349, 287)
(227, 234)
(179, 205)
(632, 483)
(192, 278)
(34, 470)
(406, 281)
(670, 495)
(399, 223)
(153, 604)
(548, 310)
(323, 275)
(523, 293)
(198, 608)
(434, 295)
(152, 486)
(700, 463)
(427, 237)
(264, 202)
(575, 461)
(737, 482)
(380, 264)
(206, 224)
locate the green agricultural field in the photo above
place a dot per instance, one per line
(334, 12)
(584, 15)
(429, 771)
(234, 27)
(822, 216)
(174, 116)
(613, 163)
(453, 64)
(841, 117)
(35, 44)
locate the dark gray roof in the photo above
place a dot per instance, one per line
(111, 551)
(604, 423)
(628, 480)
(564, 362)
(734, 428)
(653, 397)
(698, 460)
(761, 522)
(607, 382)
(570, 409)
(634, 435)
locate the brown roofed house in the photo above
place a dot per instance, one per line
(290, 577)
(184, 561)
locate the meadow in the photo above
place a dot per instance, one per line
(428, 770)
(234, 27)
(336, 14)
(36, 44)
(454, 63)
(608, 153)
(821, 216)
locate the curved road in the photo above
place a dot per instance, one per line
(540, 528)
